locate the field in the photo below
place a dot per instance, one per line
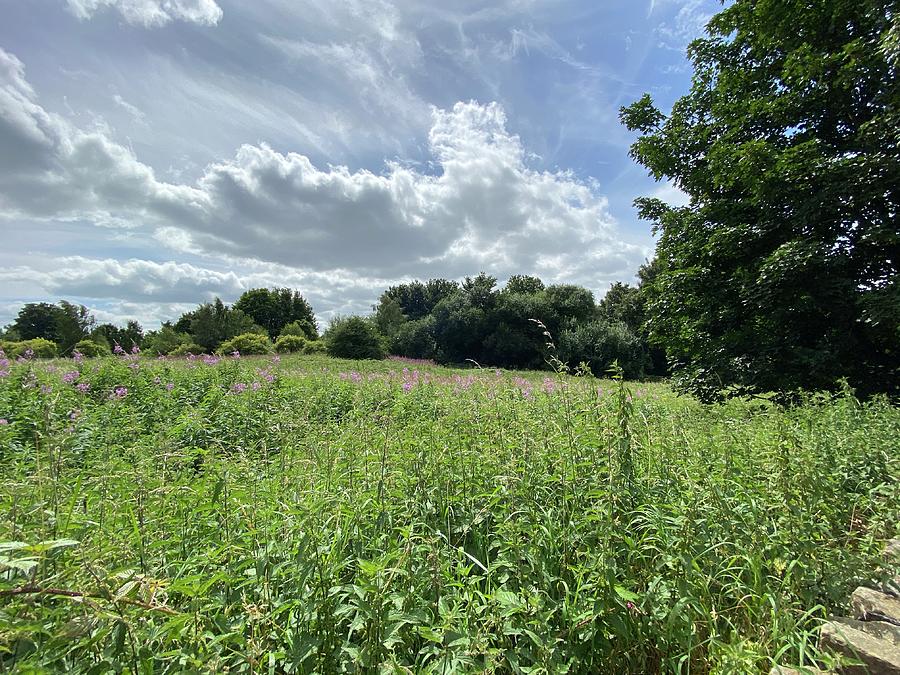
(316, 515)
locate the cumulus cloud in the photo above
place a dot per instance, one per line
(339, 235)
(152, 13)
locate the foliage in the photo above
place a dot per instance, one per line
(418, 300)
(132, 335)
(273, 309)
(315, 347)
(90, 348)
(389, 316)
(782, 272)
(415, 339)
(314, 515)
(213, 323)
(354, 337)
(37, 320)
(600, 344)
(289, 344)
(247, 344)
(36, 347)
(73, 324)
(165, 340)
(187, 348)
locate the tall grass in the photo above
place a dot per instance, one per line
(325, 519)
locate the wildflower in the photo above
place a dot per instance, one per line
(407, 386)
(46, 389)
(170, 386)
(71, 376)
(549, 386)
(134, 365)
(276, 359)
(83, 387)
(119, 393)
(135, 350)
(78, 356)
(355, 377)
(239, 388)
(74, 414)
(118, 349)
(255, 386)
(3, 422)
(210, 359)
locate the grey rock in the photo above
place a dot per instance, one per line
(798, 670)
(869, 605)
(877, 656)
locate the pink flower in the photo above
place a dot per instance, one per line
(170, 386)
(77, 356)
(119, 392)
(407, 386)
(3, 422)
(239, 388)
(256, 386)
(135, 349)
(83, 387)
(118, 349)
(71, 376)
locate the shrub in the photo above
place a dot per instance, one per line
(90, 348)
(415, 339)
(289, 344)
(247, 343)
(165, 341)
(305, 329)
(354, 338)
(315, 347)
(189, 348)
(599, 343)
(41, 348)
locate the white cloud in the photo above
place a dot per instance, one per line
(152, 13)
(339, 235)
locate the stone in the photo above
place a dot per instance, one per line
(869, 605)
(892, 550)
(878, 656)
(877, 629)
(797, 670)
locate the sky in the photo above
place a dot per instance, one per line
(155, 154)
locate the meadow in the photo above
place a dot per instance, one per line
(307, 514)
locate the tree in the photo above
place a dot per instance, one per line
(274, 308)
(127, 338)
(524, 284)
(782, 272)
(389, 316)
(37, 320)
(354, 337)
(73, 324)
(213, 323)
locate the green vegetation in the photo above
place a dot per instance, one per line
(315, 515)
(783, 272)
(247, 344)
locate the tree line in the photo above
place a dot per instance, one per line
(525, 324)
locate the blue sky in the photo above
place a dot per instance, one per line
(157, 153)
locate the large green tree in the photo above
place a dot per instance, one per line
(782, 272)
(274, 308)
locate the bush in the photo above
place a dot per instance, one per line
(354, 338)
(315, 347)
(289, 344)
(599, 343)
(165, 341)
(90, 348)
(415, 339)
(305, 329)
(247, 343)
(189, 348)
(41, 348)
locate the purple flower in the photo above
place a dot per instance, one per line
(83, 387)
(3, 422)
(210, 359)
(118, 349)
(75, 414)
(71, 376)
(239, 388)
(170, 386)
(77, 356)
(256, 386)
(276, 359)
(135, 349)
(119, 392)
(407, 386)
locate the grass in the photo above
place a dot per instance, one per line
(315, 515)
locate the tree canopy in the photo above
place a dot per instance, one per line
(782, 272)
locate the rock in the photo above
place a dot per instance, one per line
(878, 656)
(877, 629)
(869, 605)
(892, 550)
(797, 670)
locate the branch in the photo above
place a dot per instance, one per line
(37, 590)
